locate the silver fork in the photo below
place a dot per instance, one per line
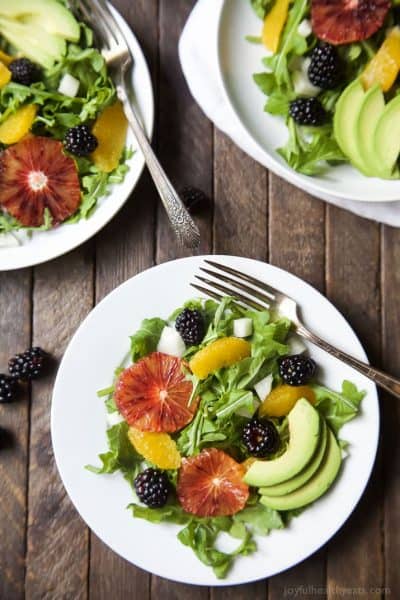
(119, 60)
(260, 295)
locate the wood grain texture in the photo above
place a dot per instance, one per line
(57, 552)
(390, 406)
(184, 144)
(353, 273)
(15, 333)
(240, 219)
(296, 243)
(124, 248)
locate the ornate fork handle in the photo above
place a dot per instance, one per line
(391, 384)
(182, 223)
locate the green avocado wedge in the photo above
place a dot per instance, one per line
(371, 109)
(298, 480)
(49, 15)
(345, 119)
(316, 486)
(304, 432)
(387, 139)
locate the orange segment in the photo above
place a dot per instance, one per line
(5, 75)
(13, 129)
(158, 448)
(282, 399)
(274, 23)
(221, 353)
(385, 65)
(6, 58)
(110, 130)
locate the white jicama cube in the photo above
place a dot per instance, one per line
(242, 327)
(302, 85)
(171, 342)
(296, 346)
(304, 29)
(69, 85)
(114, 418)
(264, 387)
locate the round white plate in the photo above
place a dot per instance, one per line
(78, 425)
(238, 60)
(46, 245)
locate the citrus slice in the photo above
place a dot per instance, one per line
(5, 75)
(221, 353)
(153, 394)
(17, 125)
(110, 130)
(158, 448)
(274, 23)
(384, 67)
(282, 399)
(6, 58)
(211, 484)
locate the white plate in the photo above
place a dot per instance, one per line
(47, 245)
(78, 424)
(238, 60)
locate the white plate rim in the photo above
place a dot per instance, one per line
(25, 259)
(212, 581)
(301, 181)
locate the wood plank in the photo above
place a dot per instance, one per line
(240, 228)
(185, 135)
(57, 553)
(390, 406)
(240, 220)
(297, 237)
(124, 248)
(353, 271)
(15, 312)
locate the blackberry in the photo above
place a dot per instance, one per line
(8, 388)
(324, 70)
(29, 365)
(296, 369)
(194, 199)
(79, 140)
(190, 324)
(152, 487)
(307, 111)
(260, 437)
(24, 71)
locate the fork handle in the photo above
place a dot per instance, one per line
(385, 381)
(182, 223)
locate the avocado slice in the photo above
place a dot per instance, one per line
(304, 432)
(50, 15)
(316, 486)
(371, 109)
(298, 480)
(386, 140)
(344, 121)
(34, 43)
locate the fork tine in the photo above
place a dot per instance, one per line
(268, 289)
(111, 23)
(242, 286)
(218, 297)
(230, 292)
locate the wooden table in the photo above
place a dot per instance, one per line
(46, 552)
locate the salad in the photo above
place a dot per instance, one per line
(220, 425)
(332, 74)
(62, 130)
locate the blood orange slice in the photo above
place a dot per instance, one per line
(153, 394)
(346, 21)
(35, 174)
(211, 484)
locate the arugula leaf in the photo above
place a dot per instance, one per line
(146, 339)
(262, 7)
(121, 455)
(338, 407)
(260, 519)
